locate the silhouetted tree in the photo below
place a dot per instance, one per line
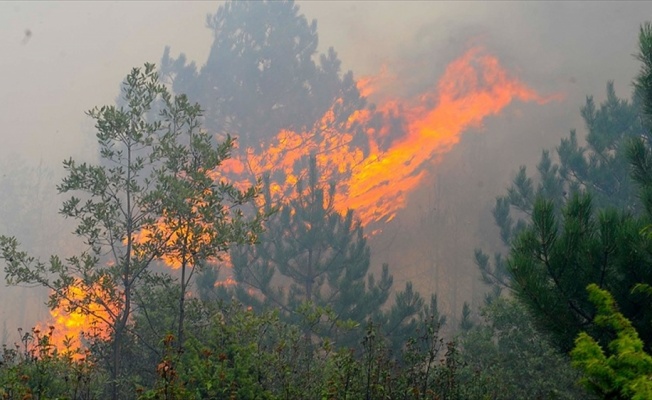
(261, 75)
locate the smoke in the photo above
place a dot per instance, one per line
(572, 48)
(77, 53)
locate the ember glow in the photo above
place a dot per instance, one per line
(376, 184)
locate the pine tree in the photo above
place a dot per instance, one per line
(261, 75)
(571, 243)
(640, 150)
(563, 251)
(312, 256)
(601, 167)
(624, 370)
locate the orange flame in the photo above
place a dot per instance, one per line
(182, 239)
(376, 181)
(368, 85)
(72, 324)
(376, 184)
(172, 256)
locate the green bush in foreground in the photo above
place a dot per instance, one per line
(624, 370)
(35, 369)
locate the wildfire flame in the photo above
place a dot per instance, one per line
(71, 324)
(376, 184)
(374, 179)
(368, 85)
(177, 236)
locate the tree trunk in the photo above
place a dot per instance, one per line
(182, 301)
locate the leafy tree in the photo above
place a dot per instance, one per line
(199, 215)
(626, 372)
(261, 75)
(152, 198)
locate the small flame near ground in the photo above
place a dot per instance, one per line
(71, 326)
(374, 178)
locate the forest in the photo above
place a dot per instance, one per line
(221, 241)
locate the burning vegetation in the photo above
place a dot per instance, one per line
(373, 179)
(275, 182)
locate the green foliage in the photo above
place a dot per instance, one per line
(234, 352)
(466, 322)
(312, 256)
(242, 354)
(639, 151)
(581, 222)
(408, 311)
(35, 369)
(600, 167)
(200, 216)
(643, 81)
(154, 197)
(506, 357)
(552, 260)
(626, 371)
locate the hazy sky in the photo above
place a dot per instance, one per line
(76, 53)
(62, 58)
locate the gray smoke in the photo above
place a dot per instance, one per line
(76, 54)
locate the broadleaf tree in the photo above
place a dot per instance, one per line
(151, 198)
(201, 214)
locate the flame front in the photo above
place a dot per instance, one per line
(376, 183)
(373, 178)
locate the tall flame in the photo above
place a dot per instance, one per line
(376, 178)
(376, 184)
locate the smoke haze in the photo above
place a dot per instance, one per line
(60, 59)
